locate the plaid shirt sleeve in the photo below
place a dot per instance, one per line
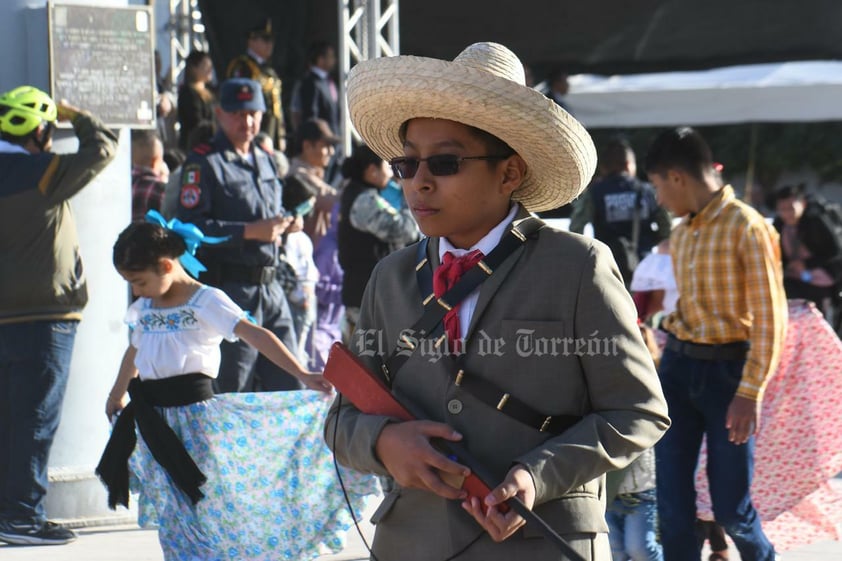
(760, 259)
(147, 194)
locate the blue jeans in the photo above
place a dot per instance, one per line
(34, 367)
(303, 319)
(632, 527)
(698, 394)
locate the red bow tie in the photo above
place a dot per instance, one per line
(445, 276)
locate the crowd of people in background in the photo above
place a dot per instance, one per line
(619, 205)
(308, 160)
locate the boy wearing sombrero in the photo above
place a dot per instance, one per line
(540, 370)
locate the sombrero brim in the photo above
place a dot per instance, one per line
(384, 93)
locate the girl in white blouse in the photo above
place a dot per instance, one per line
(177, 322)
(204, 462)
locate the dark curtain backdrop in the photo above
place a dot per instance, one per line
(622, 36)
(599, 36)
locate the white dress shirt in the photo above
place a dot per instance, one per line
(485, 245)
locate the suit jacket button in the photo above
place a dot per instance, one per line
(454, 406)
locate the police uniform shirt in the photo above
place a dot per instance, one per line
(222, 191)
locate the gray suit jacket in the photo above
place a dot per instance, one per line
(555, 327)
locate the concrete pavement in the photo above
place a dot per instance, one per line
(131, 543)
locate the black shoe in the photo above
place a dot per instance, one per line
(48, 534)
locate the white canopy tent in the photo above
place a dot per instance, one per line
(790, 91)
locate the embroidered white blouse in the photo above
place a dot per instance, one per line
(183, 339)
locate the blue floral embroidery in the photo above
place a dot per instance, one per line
(172, 321)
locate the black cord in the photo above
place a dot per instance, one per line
(342, 483)
(348, 499)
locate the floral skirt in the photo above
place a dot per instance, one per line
(272, 491)
(798, 449)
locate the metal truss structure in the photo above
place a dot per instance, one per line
(187, 33)
(367, 29)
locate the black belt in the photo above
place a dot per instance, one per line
(248, 274)
(726, 351)
(511, 406)
(163, 443)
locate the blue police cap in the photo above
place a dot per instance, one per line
(239, 94)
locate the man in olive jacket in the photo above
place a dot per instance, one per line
(42, 293)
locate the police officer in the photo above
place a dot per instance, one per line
(256, 64)
(229, 187)
(622, 209)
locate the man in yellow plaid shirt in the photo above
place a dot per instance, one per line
(724, 342)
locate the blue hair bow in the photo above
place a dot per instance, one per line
(192, 236)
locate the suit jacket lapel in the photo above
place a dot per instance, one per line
(493, 283)
(490, 287)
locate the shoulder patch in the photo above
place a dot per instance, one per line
(190, 190)
(190, 195)
(191, 174)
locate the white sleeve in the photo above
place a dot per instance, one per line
(297, 251)
(310, 274)
(653, 273)
(219, 313)
(132, 318)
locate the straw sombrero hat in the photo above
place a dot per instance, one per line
(483, 87)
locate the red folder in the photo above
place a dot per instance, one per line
(370, 395)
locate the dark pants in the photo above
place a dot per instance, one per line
(698, 393)
(34, 368)
(710, 531)
(243, 368)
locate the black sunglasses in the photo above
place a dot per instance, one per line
(439, 165)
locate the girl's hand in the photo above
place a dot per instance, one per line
(315, 381)
(115, 405)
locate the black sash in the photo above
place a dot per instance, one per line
(166, 448)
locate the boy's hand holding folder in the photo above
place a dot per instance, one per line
(451, 474)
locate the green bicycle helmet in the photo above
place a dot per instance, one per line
(23, 109)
